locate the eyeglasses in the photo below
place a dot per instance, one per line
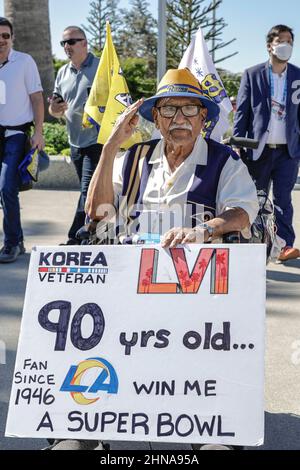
(5, 35)
(189, 110)
(70, 42)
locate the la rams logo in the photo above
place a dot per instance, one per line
(213, 88)
(124, 98)
(209, 127)
(90, 377)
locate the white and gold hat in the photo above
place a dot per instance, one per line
(181, 83)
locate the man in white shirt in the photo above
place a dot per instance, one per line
(267, 112)
(21, 104)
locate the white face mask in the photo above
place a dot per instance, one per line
(283, 51)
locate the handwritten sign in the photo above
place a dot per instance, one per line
(142, 344)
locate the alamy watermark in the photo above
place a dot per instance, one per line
(296, 94)
(148, 219)
(2, 92)
(2, 353)
(295, 357)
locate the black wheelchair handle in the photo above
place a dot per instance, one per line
(241, 142)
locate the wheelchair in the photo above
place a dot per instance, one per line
(263, 230)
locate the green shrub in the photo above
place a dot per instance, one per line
(50, 150)
(66, 152)
(137, 73)
(56, 137)
(58, 63)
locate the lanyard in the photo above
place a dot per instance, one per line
(273, 87)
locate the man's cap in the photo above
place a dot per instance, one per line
(179, 83)
(33, 163)
(44, 161)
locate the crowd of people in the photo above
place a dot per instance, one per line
(181, 168)
(265, 111)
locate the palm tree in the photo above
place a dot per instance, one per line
(31, 23)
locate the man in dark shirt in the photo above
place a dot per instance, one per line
(72, 87)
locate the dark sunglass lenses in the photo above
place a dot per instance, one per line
(5, 36)
(70, 42)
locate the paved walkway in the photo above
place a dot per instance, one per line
(46, 217)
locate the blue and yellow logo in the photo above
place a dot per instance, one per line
(106, 381)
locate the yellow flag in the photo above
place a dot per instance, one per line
(34, 165)
(109, 96)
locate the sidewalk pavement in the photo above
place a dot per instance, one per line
(46, 218)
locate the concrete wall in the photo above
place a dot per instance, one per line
(60, 175)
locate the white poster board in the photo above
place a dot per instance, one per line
(142, 344)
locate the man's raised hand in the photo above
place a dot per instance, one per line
(126, 124)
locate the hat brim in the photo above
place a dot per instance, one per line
(145, 110)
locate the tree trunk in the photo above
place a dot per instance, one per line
(31, 22)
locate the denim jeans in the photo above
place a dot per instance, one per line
(85, 161)
(13, 153)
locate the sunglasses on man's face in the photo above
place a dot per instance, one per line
(5, 35)
(70, 42)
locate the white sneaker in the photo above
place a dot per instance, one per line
(211, 447)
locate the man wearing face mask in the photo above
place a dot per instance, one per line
(267, 112)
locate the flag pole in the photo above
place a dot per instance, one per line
(162, 40)
(213, 54)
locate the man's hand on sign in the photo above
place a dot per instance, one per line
(184, 236)
(126, 124)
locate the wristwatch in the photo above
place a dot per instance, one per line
(209, 230)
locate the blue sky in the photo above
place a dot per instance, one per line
(248, 22)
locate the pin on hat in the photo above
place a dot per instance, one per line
(179, 83)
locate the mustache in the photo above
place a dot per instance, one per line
(185, 127)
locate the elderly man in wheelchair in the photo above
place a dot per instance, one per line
(194, 189)
(180, 189)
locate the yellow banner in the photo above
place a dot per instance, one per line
(34, 165)
(109, 96)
